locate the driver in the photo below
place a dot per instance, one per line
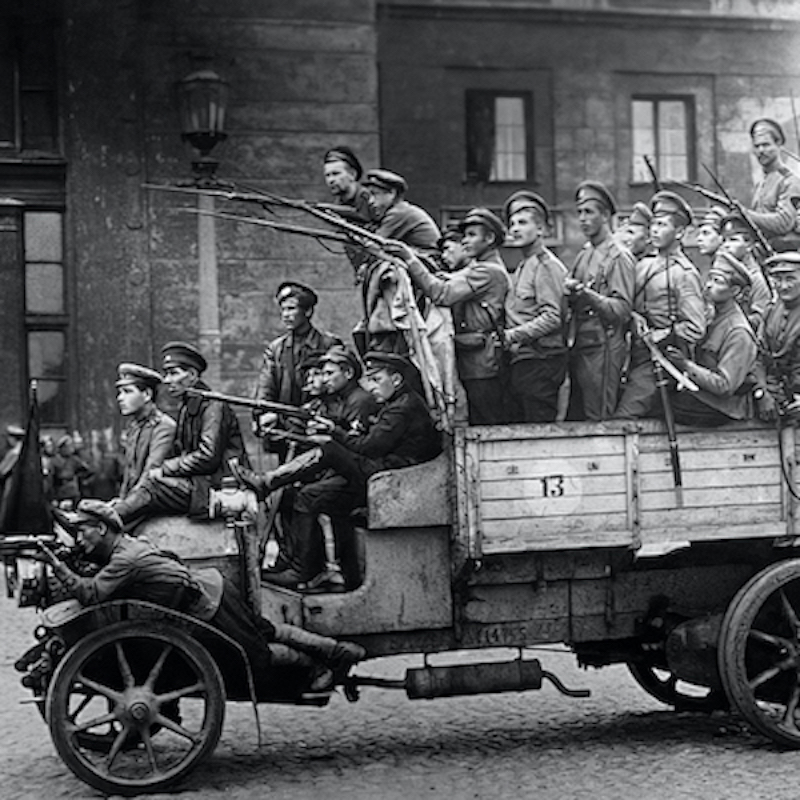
(133, 569)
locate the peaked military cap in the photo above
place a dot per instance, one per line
(735, 223)
(770, 126)
(452, 233)
(182, 354)
(312, 360)
(525, 199)
(783, 262)
(728, 265)
(89, 510)
(305, 295)
(666, 202)
(377, 359)
(714, 217)
(345, 154)
(489, 220)
(384, 179)
(138, 375)
(594, 190)
(640, 215)
(339, 354)
(15, 430)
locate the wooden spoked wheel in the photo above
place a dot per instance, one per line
(660, 683)
(759, 652)
(134, 707)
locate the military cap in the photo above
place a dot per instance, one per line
(89, 510)
(345, 154)
(384, 179)
(138, 375)
(783, 262)
(770, 126)
(714, 217)
(65, 439)
(640, 215)
(525, 199)
(377, 359)
(305, 295)
(312, 360)
(452, 233)
(728, 265)
(182, 354)
(344, 356)
(594, 190)
(489, 220)
(15, 430)
(666, 202)
(735, 223)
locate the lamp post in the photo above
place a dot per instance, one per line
(203, 100)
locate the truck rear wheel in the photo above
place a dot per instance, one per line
(759, 652)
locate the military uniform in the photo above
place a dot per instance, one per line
(669, 295)
(600, 316)
(147, 442)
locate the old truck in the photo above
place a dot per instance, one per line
(515, 536)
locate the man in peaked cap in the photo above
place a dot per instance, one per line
(207, 437)
(778, 370)
(600, 292)
(149, 434)
(535, 312)
(280, 379)
(476, 295)
(738, 240)
(134, 569)
(667, 302)
(709, 231)
(772, 207)
(401, 435)
(724, 358)
(635, 233)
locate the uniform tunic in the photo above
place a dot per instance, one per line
(535, 327)
(597, 328)
(779, 340)
(148, 441)
(410, 224)
(723, 360)
(668, 294)
(772, 209)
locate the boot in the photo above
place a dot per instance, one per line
(339, 656)
(133, 506)
(320, 676)
(300, 467)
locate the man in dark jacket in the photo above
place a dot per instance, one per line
(401, 435)
(206, 438)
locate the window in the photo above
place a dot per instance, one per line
(45, 311)
(499, 126)
(28, 97)
(663, 130)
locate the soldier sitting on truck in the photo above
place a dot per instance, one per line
(132, 568)
(724, 357)
(401, 435)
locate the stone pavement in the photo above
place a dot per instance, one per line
(616, 745)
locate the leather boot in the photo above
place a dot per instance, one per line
(339, 656)
(302, 466)
(133, 506)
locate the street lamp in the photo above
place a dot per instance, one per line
(202, 102)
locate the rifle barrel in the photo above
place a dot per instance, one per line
(259, 405)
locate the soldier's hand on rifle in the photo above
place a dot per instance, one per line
(265, 423)
(659, 334)
(677, 357)
(399, 249)
(572, 286)
(766, 407)
(319, 425)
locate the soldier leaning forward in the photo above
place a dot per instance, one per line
(600, 288)
(669, 297)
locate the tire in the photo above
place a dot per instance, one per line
(660, 683)
(113, 707)
(759, 652)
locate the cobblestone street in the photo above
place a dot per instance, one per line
(617, 744)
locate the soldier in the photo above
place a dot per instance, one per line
(279, 378)
(451, 250)
(69, 472)
(207, 437)
(535, 311)
(772, 207)
(778, 370)
(724, 357)
(738, 240)
(668, 296)
(600, 290)
(476, 294)
(635, 234)
(709, 231)
(343, 173)
(150, 432)
(401, 435)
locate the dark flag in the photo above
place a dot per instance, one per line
(23, 505)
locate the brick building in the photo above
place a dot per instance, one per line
(469, 99)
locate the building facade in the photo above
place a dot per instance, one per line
(468, 99)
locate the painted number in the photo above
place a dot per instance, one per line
(552, 485)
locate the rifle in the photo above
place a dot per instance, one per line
(681, 378)
(24, 545)
(258, 405)
(653, 174)
(500, 332)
